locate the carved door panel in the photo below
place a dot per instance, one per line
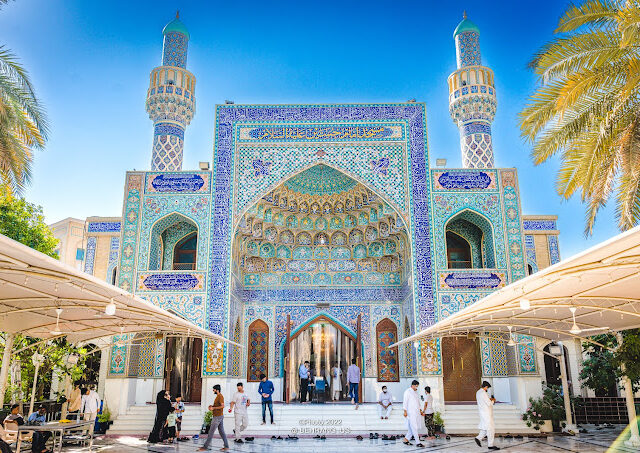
(449, 378)
(460, 369)
(469, 371)
(195, 389)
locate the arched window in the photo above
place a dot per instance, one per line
(458, 252)
(114, 275)
(184, 253)
(469, 239)
(258, 353)
(529, 269)
(387, 334)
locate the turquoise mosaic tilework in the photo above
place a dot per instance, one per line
(357, 162)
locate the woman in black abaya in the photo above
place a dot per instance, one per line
(162, 410)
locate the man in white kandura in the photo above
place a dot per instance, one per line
(411, 406)
(336, 382)
(385, 401)
(487, 426)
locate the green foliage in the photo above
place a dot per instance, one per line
(105, 416)
(586, 109)
(208, 416)
(55, 353)
(437, 419)
(549, 407)
(603, 367)
(629, 354)
(24, 222)
(598, 370)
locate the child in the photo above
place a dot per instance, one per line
(179, 405)
(170, 424)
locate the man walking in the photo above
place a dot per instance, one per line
(240, 402)
(353, 378)
(487, 426)
(303, 372)
(384, 403)
(266, 390)
(428, 413)
(91, 404)
(216, 421)
(411, 407)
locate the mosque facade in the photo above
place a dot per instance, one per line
(319, 233)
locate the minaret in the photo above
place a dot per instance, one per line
(472, 98)
(171, 101)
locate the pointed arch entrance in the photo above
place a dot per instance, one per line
(325, 344)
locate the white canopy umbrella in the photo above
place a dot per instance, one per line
(594, 292)
(42, 298)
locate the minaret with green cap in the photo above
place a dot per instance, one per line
(472, 98)
(171, 101)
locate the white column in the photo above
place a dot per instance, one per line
(565, 390)
(634, 438)
(6, 359)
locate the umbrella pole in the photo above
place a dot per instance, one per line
(33, 388)
(565, 390)
(634, 438)
(6, 359)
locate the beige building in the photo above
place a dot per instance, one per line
(541, 241)
(102, 244)
(70, 233)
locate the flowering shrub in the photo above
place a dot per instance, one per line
(549, 407)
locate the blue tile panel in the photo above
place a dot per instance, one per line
(104, 227)
(534, 225)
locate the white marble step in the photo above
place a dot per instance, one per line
(329, 419)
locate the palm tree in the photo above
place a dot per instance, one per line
(23, 123)
(587, 107)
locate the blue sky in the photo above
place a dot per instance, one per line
(90, 63)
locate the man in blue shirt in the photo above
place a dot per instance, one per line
(38, 443)
(303, 372)
(266, 390)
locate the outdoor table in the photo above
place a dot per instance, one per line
(57, 428)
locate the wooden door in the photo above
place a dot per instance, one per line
(460, 369)
(195, 378)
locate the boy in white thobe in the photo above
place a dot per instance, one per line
(411, 406)
(385, 401)
(487, 426)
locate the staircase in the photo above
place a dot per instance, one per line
(332, 420)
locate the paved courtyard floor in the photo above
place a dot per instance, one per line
(595, 441)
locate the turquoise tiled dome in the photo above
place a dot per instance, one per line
(464, 26)
(176, 26)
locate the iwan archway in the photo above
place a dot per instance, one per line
(325, 235)
(382, 148)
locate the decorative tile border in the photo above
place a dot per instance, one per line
(90, 255)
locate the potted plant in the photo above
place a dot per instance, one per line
(206, 424)
(104, 420)
(546, 414)
(438, 422)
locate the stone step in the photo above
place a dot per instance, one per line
(329, 419)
